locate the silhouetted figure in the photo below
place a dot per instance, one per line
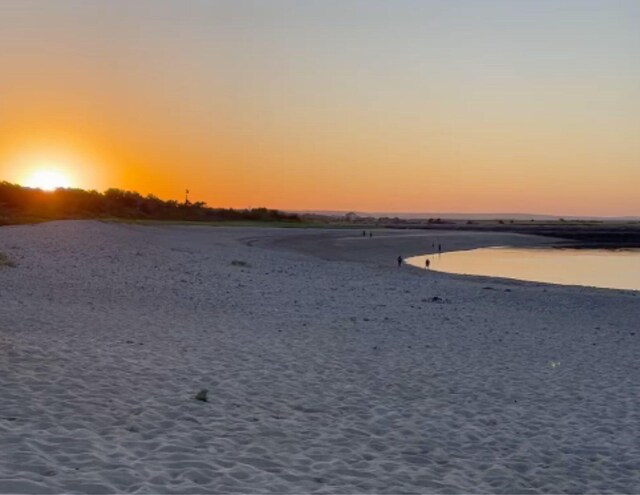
(364, 234)
(439, 248)
(370, 234)
(399, 261)
(426, 264)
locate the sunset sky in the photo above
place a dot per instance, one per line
(436, 106)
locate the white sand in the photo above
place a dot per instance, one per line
(328, 376)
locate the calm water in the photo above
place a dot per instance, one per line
(608, 268)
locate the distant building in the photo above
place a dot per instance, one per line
(351, 217)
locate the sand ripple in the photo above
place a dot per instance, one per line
(322, 377)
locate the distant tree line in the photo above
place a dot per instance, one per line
(19, 204)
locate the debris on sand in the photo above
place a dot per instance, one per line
(202, 395)
(240, 263)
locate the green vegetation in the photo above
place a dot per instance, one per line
(25, 205)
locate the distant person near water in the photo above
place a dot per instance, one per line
(427, 262)
(399, 261)
(439, 248)
(364, 233)
(370, 234)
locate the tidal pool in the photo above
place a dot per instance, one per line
(606, 268)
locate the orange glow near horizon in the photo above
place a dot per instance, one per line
(366, 179)
(46, 168)
(48, 179)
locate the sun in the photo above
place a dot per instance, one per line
(48, 180)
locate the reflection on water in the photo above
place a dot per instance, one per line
(608, 268)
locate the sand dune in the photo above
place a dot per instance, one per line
(323, 376)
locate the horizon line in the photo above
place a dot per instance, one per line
(463, 215)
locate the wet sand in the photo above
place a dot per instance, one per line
(387, 244)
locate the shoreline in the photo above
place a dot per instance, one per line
(386, 245)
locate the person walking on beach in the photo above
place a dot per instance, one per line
(399, 261)
(426, 264)
(439, 248)
(364, 233)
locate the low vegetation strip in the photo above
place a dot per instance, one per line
(25, 205)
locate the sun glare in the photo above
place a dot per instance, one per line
(48, 180)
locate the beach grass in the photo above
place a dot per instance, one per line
(5, 261)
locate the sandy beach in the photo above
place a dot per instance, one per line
(328, 369)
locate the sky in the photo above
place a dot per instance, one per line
(401, 106)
